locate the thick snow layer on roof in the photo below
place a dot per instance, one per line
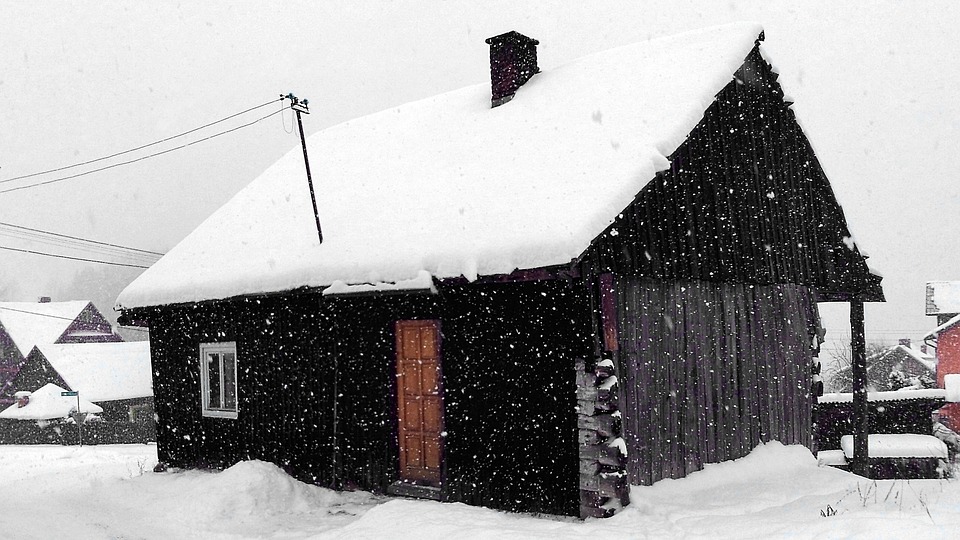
(947, 325)
(34, 323)
(898, 446)
(103, 371)
(894, 395)
(944, 297)
(453, 187)
(47, 403)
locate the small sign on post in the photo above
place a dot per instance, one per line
(79, 416)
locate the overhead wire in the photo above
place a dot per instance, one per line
(77, 251)
(182, 146)
(8, 248)
(51, 233)
(5, 308)
(141, 147)
(76, 243)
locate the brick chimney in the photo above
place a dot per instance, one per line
(513, 60)
(44, 299)
(905, 342)
(23, 398)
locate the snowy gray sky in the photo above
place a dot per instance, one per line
(874, 84)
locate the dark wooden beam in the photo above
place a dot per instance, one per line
(861, 420)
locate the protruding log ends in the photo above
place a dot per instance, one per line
(604, 486)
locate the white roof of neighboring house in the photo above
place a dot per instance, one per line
(103, 371)
(47, 403)
(936, 331)
(35, 323)
(943, 297)
(927, 360)
(452, 187)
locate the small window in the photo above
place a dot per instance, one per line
(218, 367)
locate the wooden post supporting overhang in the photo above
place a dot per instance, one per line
(861, 420)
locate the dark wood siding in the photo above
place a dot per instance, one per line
(510, 394)
(508, 377)
(711, 370)
(745, 201)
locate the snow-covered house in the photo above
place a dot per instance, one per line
(26, 324)
(904, 365)
(115, 376)
(48, 403)
(610, 274)
(943, 302)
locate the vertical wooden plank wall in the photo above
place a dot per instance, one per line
(711, 370)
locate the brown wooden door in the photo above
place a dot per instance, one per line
(419, 401)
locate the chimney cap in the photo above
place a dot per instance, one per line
(512, 35)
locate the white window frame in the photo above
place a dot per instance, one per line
(221, 348)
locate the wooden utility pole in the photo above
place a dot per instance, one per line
(301, 107)
(861, 419)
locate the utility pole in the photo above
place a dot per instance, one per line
(301, 107)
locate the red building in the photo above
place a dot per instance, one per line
(943, 301)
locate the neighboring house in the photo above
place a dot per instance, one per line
(943, 302)
(48, 403)
(903, 365)
(115, 376)
(611, 277)
(26, 324)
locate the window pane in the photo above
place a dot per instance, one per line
(230, 381)
(213, 380)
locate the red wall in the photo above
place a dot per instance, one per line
(948, 361)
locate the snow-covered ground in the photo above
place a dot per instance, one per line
(775, 492)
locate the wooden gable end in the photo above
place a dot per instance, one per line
(90, 326)
(745, 201)
(10, 362)
(37, 372)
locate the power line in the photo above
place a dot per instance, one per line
(11, 225)
(55, 180)
(59, 317)
(21, 177)
(71, 258)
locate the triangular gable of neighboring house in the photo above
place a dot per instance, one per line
(880, 364)
(48, 403)
(32, 323)
(101, 371)
(449, 187)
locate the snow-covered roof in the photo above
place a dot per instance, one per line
(452, 187)
(47, 403)
(945, 326)
(34, 323)
(925, 359)
(943, 297)
(895, 395)
(103, 371)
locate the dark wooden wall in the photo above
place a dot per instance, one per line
(508, 374)
(711, 370)
(10, 362)
(745, 201)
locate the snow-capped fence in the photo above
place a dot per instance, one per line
(604, 487)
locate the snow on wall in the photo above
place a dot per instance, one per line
(895, 395)
(103, 371)
(898, 446)
(451, 187)
(33, 323)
